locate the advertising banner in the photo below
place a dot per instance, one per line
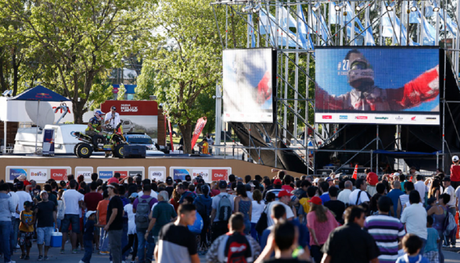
(48, 142)
(198, 129)
(249, 77)
(86, 171)
(208, 174)
(157, 173)
(40, 174)
(108, 172)
(377, 85)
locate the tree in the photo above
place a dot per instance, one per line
(187, 63)
(78, 41)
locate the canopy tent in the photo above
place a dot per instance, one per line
(38, 93)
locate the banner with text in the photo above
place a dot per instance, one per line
(208, 174)
(39, 174)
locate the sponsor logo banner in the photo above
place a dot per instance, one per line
(381, 118)
(135, 173)
(39, 175)
(180, 174)
(105, 174)
(60, 174)
(123, 174)
(204, 173)
(327, 117)
(343, 117)
(361, 117)
(157, 175)
(15, 173)
(219, 174)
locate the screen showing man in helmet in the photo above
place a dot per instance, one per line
(376, 80)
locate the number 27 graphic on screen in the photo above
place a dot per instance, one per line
(344, 65)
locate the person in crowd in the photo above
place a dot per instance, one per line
(46, 216)
(284, 198)
(394, 195)
(387, 231)
(73, 201)
(404, 199)
(234, 246)
(439, 213)
(455, 172)
(142, 207)
(176, 243)
(372, 179)
(283, 243)
(421, 187)
(359, 195)
(278, 213)
(132, 233)
(114, 226)
(162, 214)
(350, 243)
(169, 185)
(222, 208)
(380, 191)
(8, 208)
(91, 200)
(203, 204)
(26, 230)
(324, 186)
(174, 201)
(14, 216)
(60, 208)
(337, 207)
(243, 204)
(448, 189)
(432, 240)
(412, 245)
(101, 216)
(320, 222)
(414, 217)
(344, 195)
(187, 191)
(88, 236)
(435, 189)
(258, 206)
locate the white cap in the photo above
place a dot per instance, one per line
(396, 174)
(455, 158)
(89, 213)
(316, 180)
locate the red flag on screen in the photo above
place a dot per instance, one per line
(198, 129)
(355, 172)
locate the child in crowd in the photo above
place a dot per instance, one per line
(26, 230)
(88, 236)
(431, 248)
(412, 245)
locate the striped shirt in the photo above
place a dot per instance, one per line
(386, 231)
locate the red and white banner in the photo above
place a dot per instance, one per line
(198, 129)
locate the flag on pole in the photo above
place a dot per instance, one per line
(170, 136)
(355, 172)
(198, 129)
(305, 37)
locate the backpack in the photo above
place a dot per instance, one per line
(237, 248)
(448, 224)
(262, 224)
(224, 208)
(142, 212)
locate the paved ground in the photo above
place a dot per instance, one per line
(451, 256)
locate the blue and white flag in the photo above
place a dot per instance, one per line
(368, 37)
(429, 32)
(285, 37)
(305, 37)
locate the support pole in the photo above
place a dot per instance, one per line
(218, 128)
(4, 136)
(296, 84)
(377, 155)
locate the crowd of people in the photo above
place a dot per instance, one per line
(395, 218)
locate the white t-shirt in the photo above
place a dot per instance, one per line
(71, 198)
(249, 194)
(15, 199)
(451, 191)
(354, 196)
(115, 121)
(257, 210)
(131, 219)
(421, 189)
(457, 193)
(404, 201)
(414, 216)
(289, 213)
(216, 200)
(23, 196)
(344, 196)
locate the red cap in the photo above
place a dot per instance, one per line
(277, 182)
(284, 193)
(316, 200)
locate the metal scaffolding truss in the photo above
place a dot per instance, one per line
(295, 27)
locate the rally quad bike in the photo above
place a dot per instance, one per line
(109, 140)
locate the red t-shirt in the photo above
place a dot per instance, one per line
(455, 173)
(91, 200)
(113, 180)
(372, 178)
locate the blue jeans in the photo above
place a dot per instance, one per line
(5, 232)
(104, 241)
(71, 219)
(124, 239)
(141, 245)
(150, 247)
(14, 233)
(88, 250)
(423, 246)
(254, 233)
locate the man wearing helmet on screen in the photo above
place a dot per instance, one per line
(365, 96)
(94, 124)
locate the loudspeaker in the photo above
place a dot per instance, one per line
(134, 151)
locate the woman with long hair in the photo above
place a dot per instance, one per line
(243, 204)
(175, 199)
(435, 189)
(320, 222)
(439, 212)
(258, 206)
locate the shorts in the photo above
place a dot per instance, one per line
(25, 238)
(432, 256)
(70, 219)
(44, 235)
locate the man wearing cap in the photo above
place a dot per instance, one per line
(455, 172)
(372, 180)
(219, 227)
(45, 215)
(284, 198)
(112, 118)
(448, 189)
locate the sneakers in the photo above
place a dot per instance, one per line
(46, 258)
(75, 251)
(40, 258)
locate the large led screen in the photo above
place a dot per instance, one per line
(377, 85)
(249, 86)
